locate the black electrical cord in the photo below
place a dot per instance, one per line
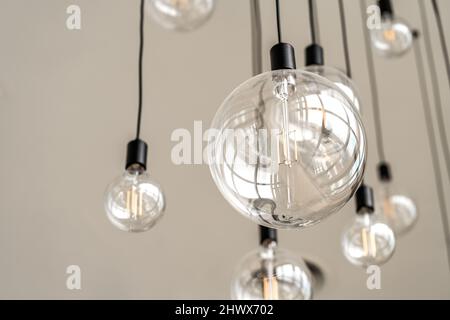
(433, 143)
(348, 67)
(313, 22)
(437, 14)
(255, 15)
(435, 85)
(277, 5)
(141, 54)
(374, 87)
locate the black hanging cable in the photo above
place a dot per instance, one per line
(374, 87)
(432, 142)
(141, 54)
(435, 86)
(313, 21)
(437, 14)
(277, 4)
(348, 67)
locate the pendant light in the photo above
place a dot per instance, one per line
(367, 240)
(181, 15)
(398, 209)
(393, 38)
(315, 61)
(290, 147)
(134, 202)
(271, 273)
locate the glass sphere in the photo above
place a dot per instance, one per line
(399, 211)
(287, 148)
(368, 241)
(340, 79)
(134, 202)
(180, 15)
(270, 273)
(393, 39)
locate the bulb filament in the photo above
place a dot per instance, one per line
(134, 202)
(368, 242)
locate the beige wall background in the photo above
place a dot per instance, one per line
(67, 109)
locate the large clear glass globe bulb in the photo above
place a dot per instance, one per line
(180, 15)
(368, 241)
(134, 202)
(340, 79)
(393, 39)
(399, 211)
(270, 273)
(287, 148)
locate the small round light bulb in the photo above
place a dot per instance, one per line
(180, 15)
(368, 241)
(270, 273)
(393, 38)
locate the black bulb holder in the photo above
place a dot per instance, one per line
(386, 9)
(137, 153)
(364, 200)
(384, 172)
(282, 56)
(314, 55)
(267, 235)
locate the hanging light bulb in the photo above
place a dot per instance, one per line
(134, 202)
(315, 64)
(394, 37)
(181, 15)
(270, 273)
(315, 60)
(399, 211)
(367, 241)
(297, 148)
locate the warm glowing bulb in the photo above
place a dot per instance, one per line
(368, 241)
(134, 202)
(271, 273)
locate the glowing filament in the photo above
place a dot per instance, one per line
(390, 35)
(368, 242)
(134, 202)
(270, 288)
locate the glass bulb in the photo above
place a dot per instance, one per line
(394, 37)
(134, 202)
(288, 149)
(368, 241)
(180, 15)
(399, 211)
(270, 273)
(340, 79)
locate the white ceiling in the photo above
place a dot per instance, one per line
(67, 109)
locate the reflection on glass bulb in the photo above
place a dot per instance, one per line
(180, 15)
(340, 79)
(134, 202)
(368, 241)
(399, 211)
(394, 37)
(290, 149)
(270, 273)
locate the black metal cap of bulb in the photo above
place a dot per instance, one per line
(384, 172)
(386, 8)
(267, 235)
(282, 56)
(314, 55)
(364, 200)
(137, 153)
